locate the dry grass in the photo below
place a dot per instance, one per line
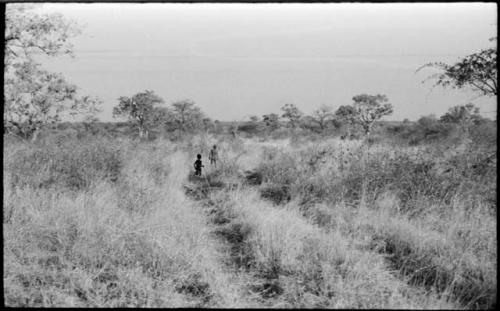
(336, 224)
(109, 246)
(298, 264)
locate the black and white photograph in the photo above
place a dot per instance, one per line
(336, 155)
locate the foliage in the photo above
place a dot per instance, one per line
(463, 115)
(33, 96)
(365, 111)
(310, 124)
(477, 71)
(485, 134)
(432, 129)
(324, 116)
(271, 121)
(27, 33)
(186, 115)
(292, 113)
(346, 113)
(140, 110)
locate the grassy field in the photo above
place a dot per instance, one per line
(328, 224)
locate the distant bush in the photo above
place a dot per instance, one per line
(428, 129)
(251, 128)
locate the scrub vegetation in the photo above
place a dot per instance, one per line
(330, 223)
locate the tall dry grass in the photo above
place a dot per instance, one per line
(336, 224)
(429, 211)
(135, 240)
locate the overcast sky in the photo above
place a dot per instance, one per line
(236, 60)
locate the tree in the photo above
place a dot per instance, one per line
(430, 127)
(27, 33)
(346, 114)
(323, 116)
(463, 116)
(271, 121)
(187, 115)
(365, 110)
(163, 117)
(427, 121)
(309, 123)
(140, 110)
(35, 97)
(477, 71)
(292, 113)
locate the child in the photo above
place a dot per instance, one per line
(213, 156)
(198, 166)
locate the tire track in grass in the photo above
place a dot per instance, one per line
(328, 221)
(233, 232)
(289, 261)
(213, 285)
(285, 260)
(317, 218)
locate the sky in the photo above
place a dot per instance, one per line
(238, 60)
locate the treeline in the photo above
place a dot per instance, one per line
(147, 112)
(459, 122)
(37, 100)
(151, 119)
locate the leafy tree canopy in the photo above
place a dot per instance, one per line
(33, 96)
(463, 115)
(28, 33)
(323, 116)
(139, 109)
(271, 120)
(477, 71)
(292, 113)
(187, 115)
(365, 110)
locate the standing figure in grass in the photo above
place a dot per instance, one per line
(213, 156)
(198, 165)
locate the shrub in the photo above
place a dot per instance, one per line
(277, 194)
(281, 169)
(485, 134)
(250, 128)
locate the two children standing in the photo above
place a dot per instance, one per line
(213, 156)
